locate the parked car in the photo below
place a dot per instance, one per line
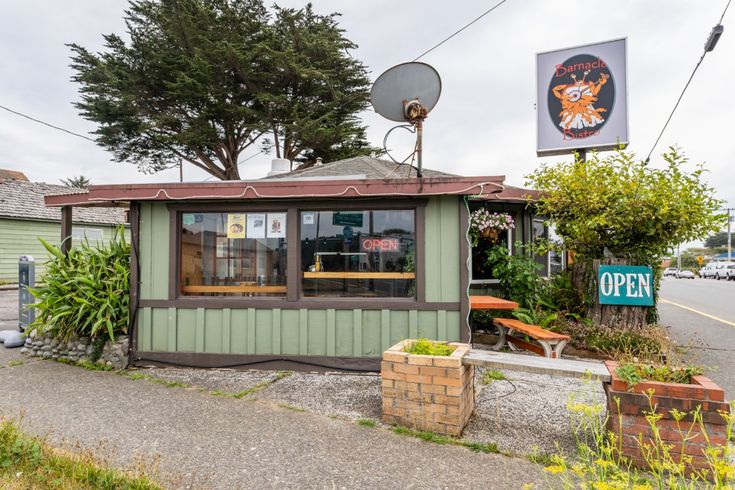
(710, 270)
(685, 275)
(721, 271)
(731, 272)
(670, 271)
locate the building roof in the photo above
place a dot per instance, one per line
(365, 167)
(315, 188)
(25, 200)
(12, 175)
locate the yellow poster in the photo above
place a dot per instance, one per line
(235, 226)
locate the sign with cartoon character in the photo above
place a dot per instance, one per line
(582, 98)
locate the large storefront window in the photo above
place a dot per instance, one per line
(358, 253)
(240, 254)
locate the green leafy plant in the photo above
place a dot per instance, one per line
(86, 292)
(599, 462)
(634, 373)
(517, 274)
(492, 375)
(429, 348)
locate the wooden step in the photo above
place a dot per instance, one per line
(540, 365)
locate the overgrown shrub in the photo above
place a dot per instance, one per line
(600, 462)
(648, 343)
(86, 292)
(517, 274)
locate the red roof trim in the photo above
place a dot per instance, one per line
(282, 189)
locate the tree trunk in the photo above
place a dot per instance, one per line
(584, 278)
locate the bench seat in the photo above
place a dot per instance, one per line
(550, 344)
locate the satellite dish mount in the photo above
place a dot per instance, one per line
(407, 93)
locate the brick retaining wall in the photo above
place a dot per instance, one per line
(433, 393)
(634, 405)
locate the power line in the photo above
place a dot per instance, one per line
(709, 46)
(460, 30)
(47, 124)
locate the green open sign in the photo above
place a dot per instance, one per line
(630, 285)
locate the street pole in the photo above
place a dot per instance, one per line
(729, 240)
(678, 257)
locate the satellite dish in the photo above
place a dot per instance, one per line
(405, 82)
(407, 93)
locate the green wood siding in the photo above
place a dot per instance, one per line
(20, 237)
(442, 249)
(286, 331)
(317, 332)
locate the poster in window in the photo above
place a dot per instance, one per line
(276, 225)
(256, 225)
(307, 218)
(235, 225)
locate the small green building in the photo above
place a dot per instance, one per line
(24, 219)
(294, 272)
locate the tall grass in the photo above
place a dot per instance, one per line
(27, 462)
(86, 292)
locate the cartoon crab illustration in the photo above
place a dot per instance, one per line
(577, 99)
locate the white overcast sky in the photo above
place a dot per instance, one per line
(484, 123)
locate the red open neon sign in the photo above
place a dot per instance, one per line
(379, 244)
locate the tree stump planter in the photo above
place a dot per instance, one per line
(432, 393)
(629, 421)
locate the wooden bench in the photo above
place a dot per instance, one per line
(550, 343)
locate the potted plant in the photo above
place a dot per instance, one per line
(488, 225)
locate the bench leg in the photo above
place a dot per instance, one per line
(548, 349)
(559, 347)
(501, 337)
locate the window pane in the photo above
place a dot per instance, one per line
(539, 231)
(233, 254)
(358, 253)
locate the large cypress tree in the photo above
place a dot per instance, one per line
(202, 80)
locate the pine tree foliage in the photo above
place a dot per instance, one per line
(204, 80)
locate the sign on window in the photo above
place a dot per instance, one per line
(625, 285)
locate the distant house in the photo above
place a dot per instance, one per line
(24, 218)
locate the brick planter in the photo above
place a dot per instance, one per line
(433, 393)
(634, 405)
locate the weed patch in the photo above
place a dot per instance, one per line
(366, 423)
(288, 406)
(492, 375)
(446, 440)
(15, 362)
(28, 462)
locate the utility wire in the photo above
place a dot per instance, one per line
(648, 158)
(47, 124)
(460, 30)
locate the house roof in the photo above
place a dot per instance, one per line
(365, 167)
(12, 175)
(25, 200)
(245, 190)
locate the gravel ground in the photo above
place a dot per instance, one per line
(527, 412)
(224, 380)
(202, 441)
(335, 394)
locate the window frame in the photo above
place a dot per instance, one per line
(294, 295)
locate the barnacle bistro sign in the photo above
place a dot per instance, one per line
(582, 99)
(627, 285)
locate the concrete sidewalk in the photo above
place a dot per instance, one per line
(205, 441)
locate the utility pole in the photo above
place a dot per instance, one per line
(729, 240)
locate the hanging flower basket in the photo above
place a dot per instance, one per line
(487, 225)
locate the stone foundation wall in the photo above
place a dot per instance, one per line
(433, 393)
(114, 354)
(630, 420)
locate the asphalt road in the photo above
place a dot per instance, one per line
(701, 313)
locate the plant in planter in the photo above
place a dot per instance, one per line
(633, 373)
(427, 347)
(487, 225)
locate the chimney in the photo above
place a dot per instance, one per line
(279, 166)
